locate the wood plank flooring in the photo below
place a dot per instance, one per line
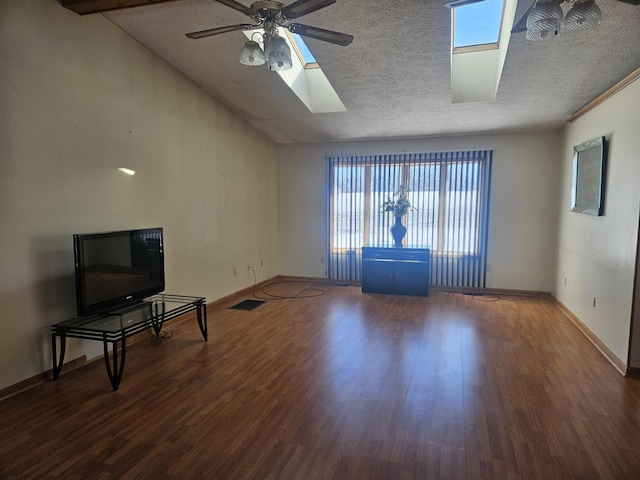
(342, 385)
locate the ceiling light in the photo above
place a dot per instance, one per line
(128, 171)
(582, 16)
(252, 54)
(546, 17)
(536, 35)
(278, 53)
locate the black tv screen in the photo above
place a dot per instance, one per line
(115, 269)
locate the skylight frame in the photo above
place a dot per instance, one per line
(476, 71)
(293, 40)
(476, 47)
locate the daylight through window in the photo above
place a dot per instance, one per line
(449, 191)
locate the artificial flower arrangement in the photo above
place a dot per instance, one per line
(399, 205)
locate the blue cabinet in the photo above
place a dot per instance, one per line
(396, 270)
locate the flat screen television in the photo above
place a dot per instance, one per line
(116, 269)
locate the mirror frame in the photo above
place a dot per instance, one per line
(589, 169)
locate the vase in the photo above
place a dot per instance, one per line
(398, 231)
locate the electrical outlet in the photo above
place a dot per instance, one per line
(261, 263)
(234, 271)
(248, 267)
(594, 302)
(565, 281)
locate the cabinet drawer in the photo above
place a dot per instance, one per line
(395, 254)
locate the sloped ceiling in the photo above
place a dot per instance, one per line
(394, 79)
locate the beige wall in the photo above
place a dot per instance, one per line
(597, 254)
(523, 203)
(79, 98)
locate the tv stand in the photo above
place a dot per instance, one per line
(114, 328)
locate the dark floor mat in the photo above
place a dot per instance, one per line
(248, 305)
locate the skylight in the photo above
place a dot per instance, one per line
(477, 23)
(306, 57)
(479, 44)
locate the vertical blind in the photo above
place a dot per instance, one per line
(450, 195)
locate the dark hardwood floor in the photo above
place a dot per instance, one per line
(340, 386)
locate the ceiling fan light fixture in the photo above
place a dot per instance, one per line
(252, 55)
(538, 35)
(545, 16)
(271, 15)
(582, 16)
(278, 54)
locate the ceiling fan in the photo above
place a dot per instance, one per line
(544, 18)
(270, 15)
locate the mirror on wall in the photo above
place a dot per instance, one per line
(589, 166)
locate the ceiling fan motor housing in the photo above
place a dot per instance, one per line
(267, 6)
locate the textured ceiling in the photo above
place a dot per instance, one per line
(394, 78)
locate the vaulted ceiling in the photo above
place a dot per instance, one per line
(395, 78)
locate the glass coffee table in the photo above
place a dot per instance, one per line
(115, 326)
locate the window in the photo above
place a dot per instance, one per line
(448, 190)
(479, 42)
(477, 23)
(304, 54)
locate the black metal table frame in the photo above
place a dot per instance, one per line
(157, 316)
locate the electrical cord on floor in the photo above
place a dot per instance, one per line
(309, 291)
(306, 292)
(483, 297)
(493, 297)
